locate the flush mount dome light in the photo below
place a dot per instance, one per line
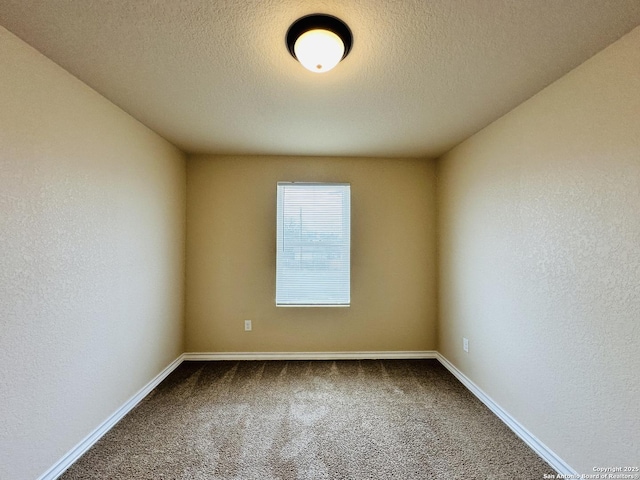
(319, 41)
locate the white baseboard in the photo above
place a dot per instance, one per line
(206, 356)
(536, 445)
(76, 452)
(527, 437)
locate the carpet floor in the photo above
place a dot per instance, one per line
(361, 419)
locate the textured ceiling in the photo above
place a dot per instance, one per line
(216, 77)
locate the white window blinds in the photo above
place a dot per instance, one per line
(313, 244)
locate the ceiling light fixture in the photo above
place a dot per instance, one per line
(319, 41)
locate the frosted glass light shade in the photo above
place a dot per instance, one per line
(319, 41)
(319, 50)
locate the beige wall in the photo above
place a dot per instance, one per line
(231, 235)
(92, 213)
(539, 240)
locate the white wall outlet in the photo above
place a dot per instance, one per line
(465, 344)
(247, 325)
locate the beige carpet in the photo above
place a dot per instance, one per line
(387, 419)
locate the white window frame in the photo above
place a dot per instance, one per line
(285, 283)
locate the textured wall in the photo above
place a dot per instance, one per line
(231, 235)
(92, 211)
(539, 235)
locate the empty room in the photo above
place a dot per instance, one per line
(319, 240)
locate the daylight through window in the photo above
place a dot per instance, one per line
(313, 244)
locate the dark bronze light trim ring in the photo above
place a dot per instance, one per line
(319, 21)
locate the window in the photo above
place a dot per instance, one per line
(313, 244)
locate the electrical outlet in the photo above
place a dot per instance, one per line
(465, 344)
(247, 325)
